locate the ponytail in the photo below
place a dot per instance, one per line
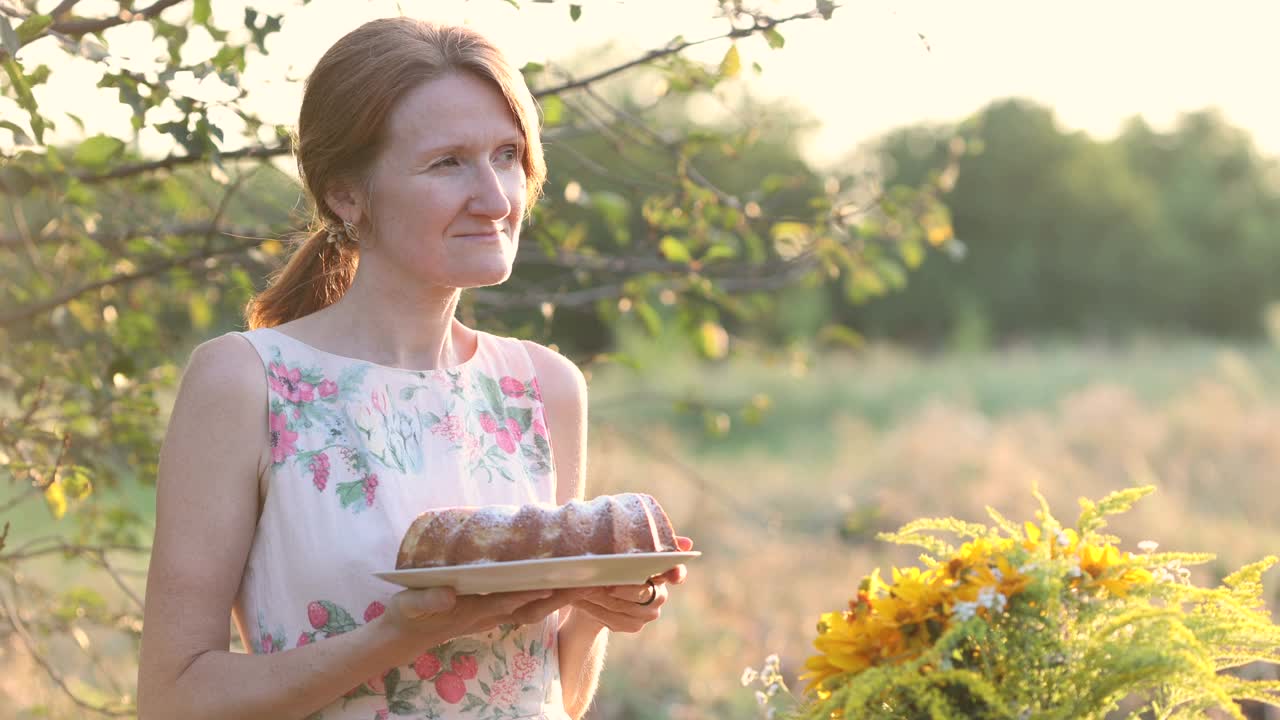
(317, 274)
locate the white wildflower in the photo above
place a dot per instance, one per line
(1063, 538)
(1148, 546)
(965, 610)
(761, 698)
(749, 676)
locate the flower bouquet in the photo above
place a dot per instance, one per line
(1037, 621)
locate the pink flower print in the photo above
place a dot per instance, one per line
(488, 422)
(374, 610)
(378, 684)
(267, 645)
(328, 388)
(513, 427)
(319, 467)
(451, 687)
(505, 441)
(379, 400)
(427, 665)
(370, 485)
(289, 384)
(450, 427)
(473, 447)
(523, 666)
(305, 639)
(535, 392)
(282, 438)
(539, 425)
(317, 615)
(511, 387)
(503, 691)
(382, 714)
(466, 666)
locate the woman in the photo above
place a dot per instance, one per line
(299, 452)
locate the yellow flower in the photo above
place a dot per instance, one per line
(1107, 568)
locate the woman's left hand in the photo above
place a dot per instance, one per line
(628, 608)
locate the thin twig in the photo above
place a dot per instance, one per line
(11, 612)
(23, 553)
(101, 557)
(760, 26)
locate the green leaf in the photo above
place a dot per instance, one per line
(575, 12)
(522, 416)
(8, 38)
(77, 484)
(650, 317)
(97, 151)
(731, 65)
(392, 680)
(674, 250)
(492, 395)
(351, 493)
(552, 110)
(774, 38)
(201, 11)
(531, 68)
(719, 252)
(836, 334)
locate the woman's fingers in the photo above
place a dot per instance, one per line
(431, 601)
(614, 620)
(539, 609)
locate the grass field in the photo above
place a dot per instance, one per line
(785, 510)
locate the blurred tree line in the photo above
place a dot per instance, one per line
(1172, 232)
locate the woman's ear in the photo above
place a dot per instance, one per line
(346, 201)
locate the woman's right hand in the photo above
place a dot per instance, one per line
(421, 619)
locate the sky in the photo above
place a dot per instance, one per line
(875, 66)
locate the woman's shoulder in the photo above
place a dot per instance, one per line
(552, 366)
(562, 383)
(226, 365)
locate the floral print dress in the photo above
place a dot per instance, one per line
(358, 451)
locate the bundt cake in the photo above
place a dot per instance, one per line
(606, 525)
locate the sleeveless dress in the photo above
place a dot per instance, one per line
(358, 451)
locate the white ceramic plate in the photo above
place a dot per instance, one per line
(548, 573)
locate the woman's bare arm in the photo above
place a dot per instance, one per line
(582, 639)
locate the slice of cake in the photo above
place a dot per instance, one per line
(606, 525)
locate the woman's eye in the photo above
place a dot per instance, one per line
(446, 162)
(509, 154)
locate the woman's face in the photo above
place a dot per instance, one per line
(448, 190)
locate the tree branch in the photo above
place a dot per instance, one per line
(77, 27)
(34, 309)
(762, 24)
(168, 163)
(180, 230)
(83, 26)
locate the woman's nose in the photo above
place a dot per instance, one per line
(489, 198)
